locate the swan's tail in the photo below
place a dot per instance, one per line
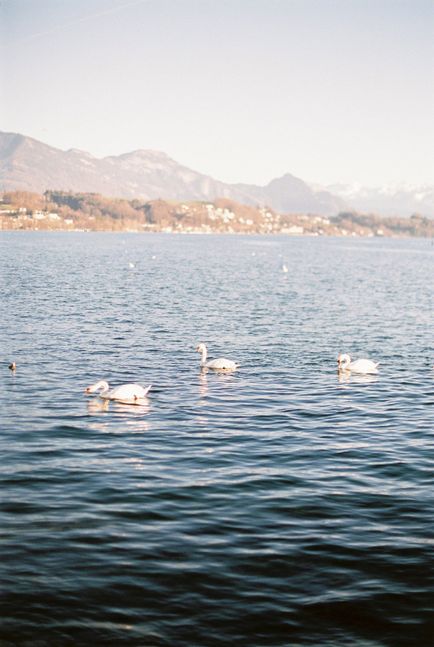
(139, 399)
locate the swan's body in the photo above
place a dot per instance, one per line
(126, 393)
(219, 364)
(361, 366)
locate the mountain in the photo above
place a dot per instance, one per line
(403, 199)
(27, 164)
(290, 194)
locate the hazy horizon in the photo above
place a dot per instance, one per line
(331, 92)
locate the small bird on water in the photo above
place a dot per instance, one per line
(12, 366)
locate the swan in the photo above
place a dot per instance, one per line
(220, 364)
(362, 366)
(12, 366)
(126, 393)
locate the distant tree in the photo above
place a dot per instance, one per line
(25, 199)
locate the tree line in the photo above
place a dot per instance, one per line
(98, 212)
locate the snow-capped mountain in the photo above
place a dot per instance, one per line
(388, 200)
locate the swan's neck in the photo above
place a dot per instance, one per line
(103, 386)
(204, 356)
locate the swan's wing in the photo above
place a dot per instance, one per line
(363, 366)
(123, 392)
(222, 363)
(128, 392)
(370, 364)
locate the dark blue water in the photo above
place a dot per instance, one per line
(278, 505)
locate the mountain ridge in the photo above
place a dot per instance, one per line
(28, 164)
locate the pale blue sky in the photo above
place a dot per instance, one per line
(244, 90)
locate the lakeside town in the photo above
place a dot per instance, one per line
(68, 211)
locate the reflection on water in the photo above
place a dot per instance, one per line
(203, 383)
(356, 378)
(97, 405)
(139, 406)
(219, 377)
(126, 418)
(276, 505)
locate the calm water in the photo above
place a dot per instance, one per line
(274, 506)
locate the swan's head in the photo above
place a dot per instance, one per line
(201, 348)
(12, 366)
(102, 384)
(343, 360)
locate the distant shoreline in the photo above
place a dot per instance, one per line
(213, 233)
(89, 212)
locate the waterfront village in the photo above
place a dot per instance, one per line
(58, 210)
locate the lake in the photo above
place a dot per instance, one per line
(277, 505)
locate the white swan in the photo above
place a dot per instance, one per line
(126, 393)
(362, 366)
(220, 364)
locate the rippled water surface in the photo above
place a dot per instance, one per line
(279, 505)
